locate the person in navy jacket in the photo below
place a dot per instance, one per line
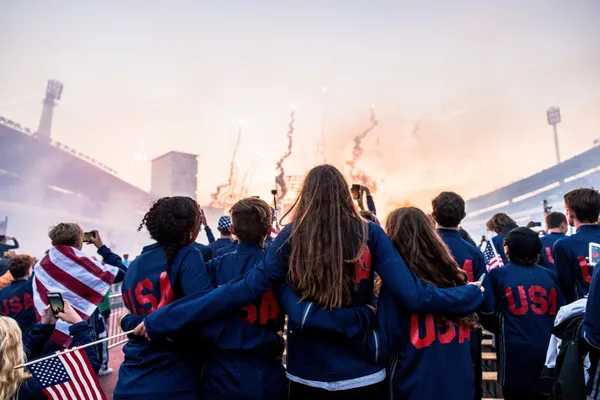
(556, 223)
(500, 224)
(525, 298)
(245, 360)
(226, 238)
(328, 268)
(448, 212)
(591, 333)
(167, 270)
(19, 385)
(16, 300)
(574, 272)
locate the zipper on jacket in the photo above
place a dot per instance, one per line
(305, 315)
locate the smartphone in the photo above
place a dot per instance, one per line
(88, 236)
(56, 302)
(274, 192)
(482, 277)
(355, 191)
(594, 256)
(537, 224)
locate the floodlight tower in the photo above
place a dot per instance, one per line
(53, 93)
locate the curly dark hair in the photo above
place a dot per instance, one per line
(448, 209)
(173, 222)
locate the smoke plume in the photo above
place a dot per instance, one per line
(356, 174)
(279, 179)
(216, 199)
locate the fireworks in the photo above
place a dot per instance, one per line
(357, 151)
(279, 181)
(216, 199)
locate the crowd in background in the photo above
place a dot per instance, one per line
(372, 312)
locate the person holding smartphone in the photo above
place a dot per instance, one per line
(17, 384)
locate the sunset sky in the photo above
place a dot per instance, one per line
(460, 87)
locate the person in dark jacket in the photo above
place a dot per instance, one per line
(500, 224)
(227, 249)
(330, 256)
(448, 212)
(226, 238)
(569, 253)
(16, 300)
(17, 383)
(167, 270)
(525, 298)
(591, 334)
(245, 359)
(4, 246)
(556, 223)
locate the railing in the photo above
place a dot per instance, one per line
(117, 308)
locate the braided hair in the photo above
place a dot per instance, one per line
(173, 222)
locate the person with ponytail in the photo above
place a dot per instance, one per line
(329, 256)
(167, 270)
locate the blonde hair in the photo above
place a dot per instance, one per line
(65, 233)
(11, 355)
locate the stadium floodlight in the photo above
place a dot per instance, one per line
(54, 89)
(553, 115)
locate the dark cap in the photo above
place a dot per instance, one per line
(523, 242)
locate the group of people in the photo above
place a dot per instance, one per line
(394, 312)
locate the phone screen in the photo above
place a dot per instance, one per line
(56, 302)
(355, 191)
(482, 277)
(88, 236)
(594, 256)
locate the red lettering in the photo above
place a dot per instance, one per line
(145, 298)
(464, 333)
(251, 310)
(468, 268)
(552, 301)
(126, 301)
(5, 308)
(447, 336)
(269, 307)
(362, 268)
(540, 305)
(511, 301)
(549, 255)
(415, 337)
(585, 269)
(28, 301)
(130, 295)
(167, 295)
(15, 304)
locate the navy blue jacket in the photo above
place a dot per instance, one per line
(36, 340)
(525, 301)
(469, 258)
(498, 242)
(161, 367)
(546, 258)
(384, 259)
(219, 244)
(16, 301)
(591, 332)
(228, 249)
(204, 250)
(244, 362)
(574, 273)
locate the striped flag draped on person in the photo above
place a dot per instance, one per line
(492, 258)
(80, 279)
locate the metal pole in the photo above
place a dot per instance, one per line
(556, 144)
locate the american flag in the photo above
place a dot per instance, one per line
(492, 258)
(81, 280)
(68, 376)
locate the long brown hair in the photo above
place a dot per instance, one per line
(328, 236)
(424, 252)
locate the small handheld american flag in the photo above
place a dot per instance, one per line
(492, 258)
(69, 376)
